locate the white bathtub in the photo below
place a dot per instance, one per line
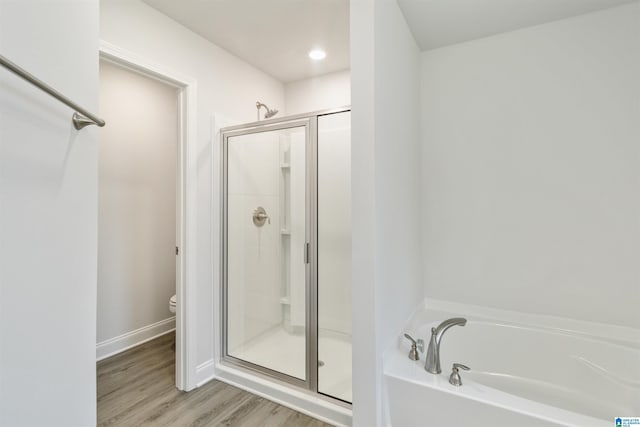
(525, 371)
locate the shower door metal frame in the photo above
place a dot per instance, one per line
(309, 122)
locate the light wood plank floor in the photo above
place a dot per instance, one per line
(136, 388)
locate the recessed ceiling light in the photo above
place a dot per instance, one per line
(317, 54)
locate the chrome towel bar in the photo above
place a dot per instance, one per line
(81, 117)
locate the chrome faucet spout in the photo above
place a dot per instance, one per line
(442, 327)
(432, 363)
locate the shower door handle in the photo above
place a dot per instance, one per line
(307, 248)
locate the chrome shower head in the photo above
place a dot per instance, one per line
(270, 113)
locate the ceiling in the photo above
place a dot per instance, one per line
(276, 35)
(437, 23)
(272, 35)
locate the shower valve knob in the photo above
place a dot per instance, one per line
(260, 216)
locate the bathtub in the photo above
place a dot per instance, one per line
(525, 371)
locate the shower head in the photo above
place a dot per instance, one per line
(270, 113)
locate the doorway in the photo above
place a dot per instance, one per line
(141, 208)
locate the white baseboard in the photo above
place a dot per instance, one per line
(124, 342)
(205, 372)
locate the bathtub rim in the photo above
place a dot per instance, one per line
(611, 333)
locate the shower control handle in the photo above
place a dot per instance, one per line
(260, 216)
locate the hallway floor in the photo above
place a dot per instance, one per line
(136, 388)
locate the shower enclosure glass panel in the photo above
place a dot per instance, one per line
(334, 255)
(266, 265)
(286, 250)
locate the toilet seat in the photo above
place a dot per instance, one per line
(172, 304)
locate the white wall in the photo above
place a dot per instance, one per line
(385, 186)
(225, 85)
(137, 207)
(48, 216)
(531, 169)
(318, 93)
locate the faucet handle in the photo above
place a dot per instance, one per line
(415, 345)
(454, 378)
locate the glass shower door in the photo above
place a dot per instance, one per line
(334, 255)
(266, 256)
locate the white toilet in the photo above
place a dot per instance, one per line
(172, 304)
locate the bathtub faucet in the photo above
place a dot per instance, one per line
(432, 364)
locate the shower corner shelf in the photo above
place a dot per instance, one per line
(285, 301)
(285, 232)
(285, 165)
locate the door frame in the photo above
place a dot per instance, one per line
(311, 377)
(186, 201)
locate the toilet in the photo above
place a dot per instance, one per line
(172, 304)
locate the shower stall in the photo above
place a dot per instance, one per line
(287, 250)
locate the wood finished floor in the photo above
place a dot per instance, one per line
(136, 388)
